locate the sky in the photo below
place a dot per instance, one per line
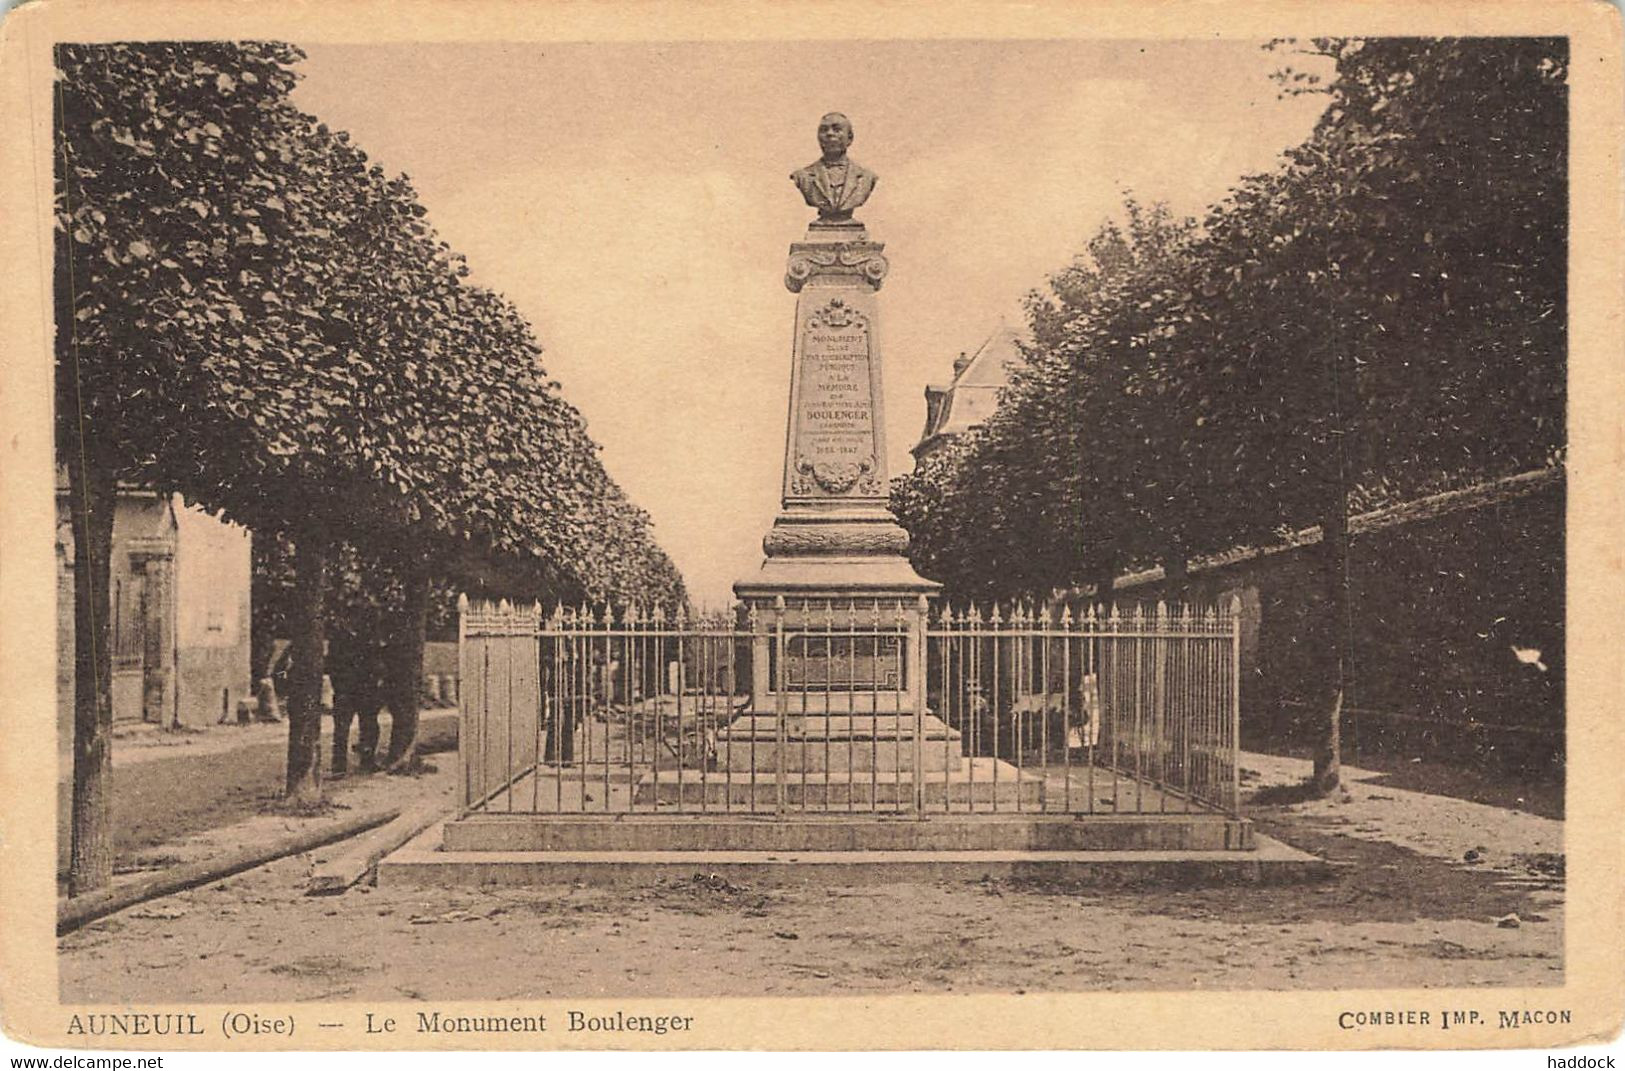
(634, 202)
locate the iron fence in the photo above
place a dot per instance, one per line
(849, 707)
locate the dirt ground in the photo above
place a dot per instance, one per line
(1414, 902)
(168, 787)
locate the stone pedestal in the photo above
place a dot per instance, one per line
(834, 559)
(834, 536)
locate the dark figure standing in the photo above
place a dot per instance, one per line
(357, 667)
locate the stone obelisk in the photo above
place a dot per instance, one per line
(834, 536)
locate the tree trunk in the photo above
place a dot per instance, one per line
(1105, 579)
(304, 777)
(406, 672)
(261, 633)
(92, 496)
(1328, 752)
(1176, 568)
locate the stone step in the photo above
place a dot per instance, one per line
(838, 742)
(820, 726)
(976, 781)
(815, 756)
(422, 863)
(817, 833)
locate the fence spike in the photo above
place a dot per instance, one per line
(1066, 615)
(462, 602)
(993, 617)
(1043, 616)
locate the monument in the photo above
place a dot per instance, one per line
(834, 536)
(846, 612)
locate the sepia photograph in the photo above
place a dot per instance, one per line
(552, 551)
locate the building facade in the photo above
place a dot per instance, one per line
(179, 585)
(973, 394)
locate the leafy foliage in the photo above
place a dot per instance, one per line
(1195, 387)
(255, 316)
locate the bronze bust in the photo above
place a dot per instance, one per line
(833, 184)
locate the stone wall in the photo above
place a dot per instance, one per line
(1442, 605)
(213, 571)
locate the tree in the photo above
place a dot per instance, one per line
(252, 315)
(144, 165)
(1242, 377)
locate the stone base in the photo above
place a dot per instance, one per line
(848, 833)
(425, 861)
(841, 742)
(978, 783)
(834, 578)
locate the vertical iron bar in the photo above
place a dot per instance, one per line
(916, 684)
(995, 628)
(1159, 702)
(1119, 656)
(1190, 680)
(874, 698)
(1018, 691)
(1092, 651)
(704, 705)
(974, 699)
(679, 628)
(732, 677)
(637, 707)
(485, 720)
(541, 717)
(753, 622)
(779, 703)
(807, 642)
(1066, 705)
(1044, 752)
(945, 661)
(1234, 751)
(507, 708)
(604, 678)
(1139, 709)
